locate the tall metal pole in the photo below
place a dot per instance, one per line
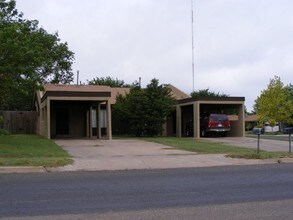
(192, 45)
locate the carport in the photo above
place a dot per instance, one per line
(74, 111)
(190, 110)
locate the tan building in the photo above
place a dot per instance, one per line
(74, 111)
(84, 111)
(192, 109)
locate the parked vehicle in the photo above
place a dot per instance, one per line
(214, 123)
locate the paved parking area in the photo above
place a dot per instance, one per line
(136, 154)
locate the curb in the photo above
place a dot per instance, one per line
(40, 169)
(22, 169)
(285, 160)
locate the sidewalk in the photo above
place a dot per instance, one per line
(24, 169)
(201, 161)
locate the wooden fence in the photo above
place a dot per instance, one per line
(20, 122)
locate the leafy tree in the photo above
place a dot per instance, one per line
(137, 104)
(127, 107)
(160, 105)
(145, 109)
(29, 56)
(108, 81)
(275, 104)
(290, 87)
(207, 93)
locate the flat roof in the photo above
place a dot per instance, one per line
(208, 98)
(76, 88)
(75, 91)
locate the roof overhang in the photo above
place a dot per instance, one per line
(76, 95)
(212, 100)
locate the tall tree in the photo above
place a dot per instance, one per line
(108, 81)
(290, 87)
(160, 104)
(207, 93)
(145, 109)
(29, 56)
(137, 110)
(275, 104)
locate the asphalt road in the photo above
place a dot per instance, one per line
(239, 192)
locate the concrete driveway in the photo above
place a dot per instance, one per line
(136, 154)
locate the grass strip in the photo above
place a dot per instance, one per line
(204, 147)
(31, 150)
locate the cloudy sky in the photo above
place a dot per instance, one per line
(239, 44)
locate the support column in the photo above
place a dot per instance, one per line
(41, 122)
(48, 119)
(87, 124)
(196, 120)
(109, 121)
(44, 121)
(178, 121)
(99, 133)
(241, 121)
(90, 122)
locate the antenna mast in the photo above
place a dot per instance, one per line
(77, 77)
(192, 45)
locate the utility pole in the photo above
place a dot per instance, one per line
(192, 45)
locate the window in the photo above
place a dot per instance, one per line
(103, 118)
(94, 118)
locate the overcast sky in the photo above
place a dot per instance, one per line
(239, 44)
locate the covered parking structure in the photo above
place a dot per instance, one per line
(190, 110)
(70, 111)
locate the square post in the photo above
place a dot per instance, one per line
(48, 118)
(99, 133)
(241, 120)
(109, 122)
(90, 122)
(87, 124)
(178, 121)
(196, 120)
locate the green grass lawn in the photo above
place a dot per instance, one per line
(31, 150)
(204, 147)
